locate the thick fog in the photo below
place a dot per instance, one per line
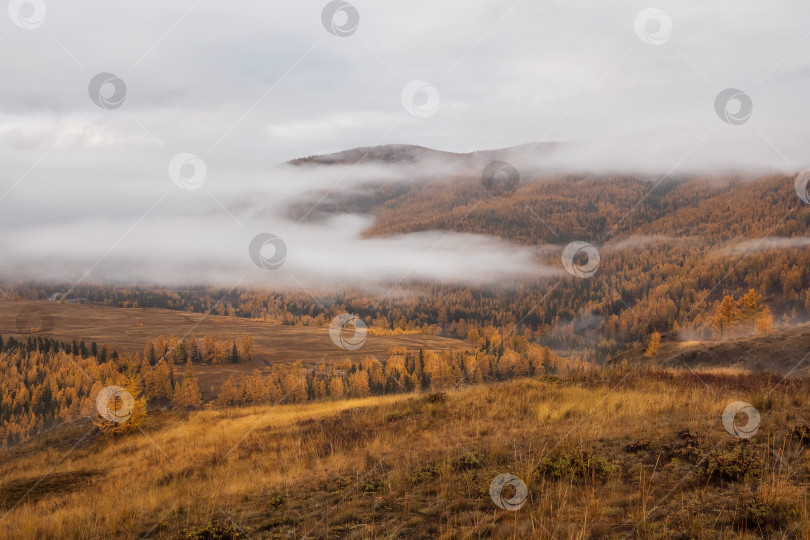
(86, 188)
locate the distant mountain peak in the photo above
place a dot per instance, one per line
(407, 153)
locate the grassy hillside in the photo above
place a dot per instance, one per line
(783, 351)
(618, 452)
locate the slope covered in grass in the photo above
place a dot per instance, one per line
(624, 451)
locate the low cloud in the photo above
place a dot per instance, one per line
(86, 189)
(213, 248)
(766, 244)
(643, 241)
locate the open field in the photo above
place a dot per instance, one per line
(128, 330)
(638, 453)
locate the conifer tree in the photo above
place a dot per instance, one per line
(726, 314)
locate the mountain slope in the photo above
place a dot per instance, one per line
(552, 207)
(671, 248)
(619, 453)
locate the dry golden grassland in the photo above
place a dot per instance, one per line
(129, 329)
(638, 453)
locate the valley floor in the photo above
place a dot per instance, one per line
(617, 453)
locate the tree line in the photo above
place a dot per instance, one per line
(45, 382)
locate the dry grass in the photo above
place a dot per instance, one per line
(128, 330)
(614, 454)
(776, 352)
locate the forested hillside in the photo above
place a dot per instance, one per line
(672, 249)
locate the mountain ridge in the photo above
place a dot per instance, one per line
(398, 153)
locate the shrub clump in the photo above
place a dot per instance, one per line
(213, 530)
(372, 486)
(766, 516)
(579, 464)
(637, 446)
(471, 460)
(277, 500)
(686, 446)
(428, 474)
(734, 464)
(436, 397)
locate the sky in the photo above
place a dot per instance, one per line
(220, 94)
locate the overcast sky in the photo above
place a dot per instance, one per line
(248, 85)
